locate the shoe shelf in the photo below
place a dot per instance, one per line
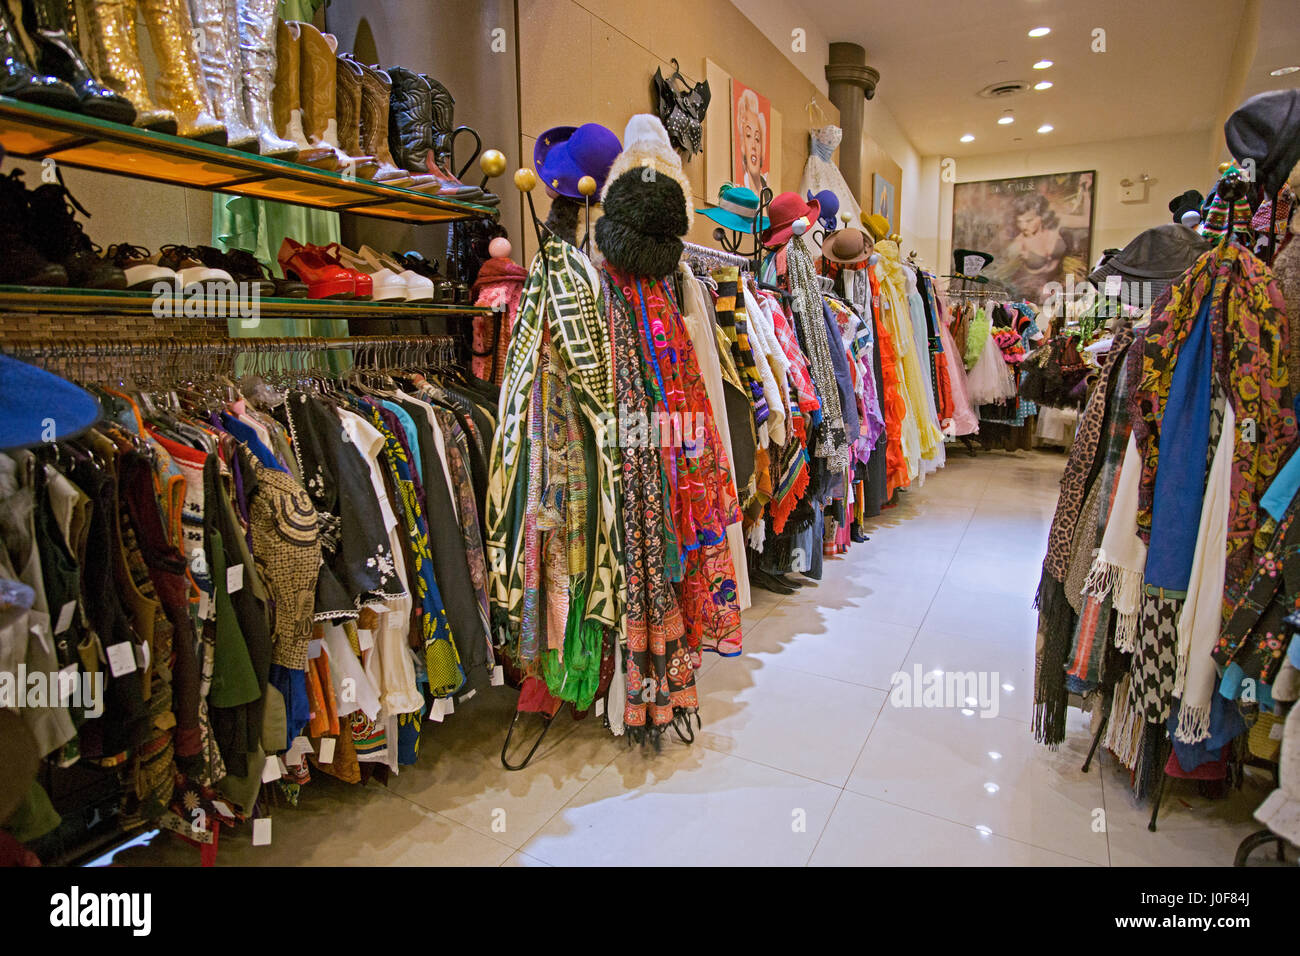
(36, 299)
(37, 132)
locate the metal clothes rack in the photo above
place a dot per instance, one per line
(693, 252)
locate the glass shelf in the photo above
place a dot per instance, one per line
(38, 132)
(14, 298)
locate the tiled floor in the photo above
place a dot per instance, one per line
(802, 757)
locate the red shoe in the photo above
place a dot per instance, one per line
(325, 279)
(365, 285)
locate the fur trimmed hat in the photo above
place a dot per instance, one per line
(645, 143)
(645, 218)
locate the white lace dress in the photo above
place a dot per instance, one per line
(821, 173)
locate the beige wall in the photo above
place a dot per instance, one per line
(1174, 163)
(585, 61)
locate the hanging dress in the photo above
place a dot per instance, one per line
(821, 173)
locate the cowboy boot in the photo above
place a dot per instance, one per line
(180, 81)
(218, 55)
(286, 100)
(318, 89)
(347, 82)
(107, 32)
(440, 163)
(46, 23)
(373, 121)
(410, 130)
(19, 80)
(257, 61)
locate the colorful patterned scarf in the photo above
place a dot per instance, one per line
(832, 443)
(732, 317)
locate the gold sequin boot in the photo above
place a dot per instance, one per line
(107, 32)
(180, 81)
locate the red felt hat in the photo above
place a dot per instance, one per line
(791, 215)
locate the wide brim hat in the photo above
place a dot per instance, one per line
(737, 210)
(791, 215)
(37, 407)
(877, 225)
(847, 246)
(564, 154)
(1151, 261)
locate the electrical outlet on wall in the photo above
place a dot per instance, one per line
(1134, 190)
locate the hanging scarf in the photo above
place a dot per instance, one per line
(498, 286)
(733, 318)
(832, 443)
(1249, 331)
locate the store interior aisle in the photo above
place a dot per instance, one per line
(802, 757)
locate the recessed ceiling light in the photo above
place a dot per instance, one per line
(1042, 64)
(1043, 85)
(1040, 31)
(1006, 120)
(1284, 70)
(1046, 128)
(968, 138)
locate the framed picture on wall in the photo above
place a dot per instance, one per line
(751, 137)
(882, 199)
(1037, 228)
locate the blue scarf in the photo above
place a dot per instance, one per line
(1180, 473)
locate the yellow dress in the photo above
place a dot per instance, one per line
(922, 437)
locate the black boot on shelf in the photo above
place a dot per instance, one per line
(20, 262)
(17, 77)
(56, 233)
(58, 55)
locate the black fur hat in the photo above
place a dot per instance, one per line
(644, 220)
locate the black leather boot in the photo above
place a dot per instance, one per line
(19, 80)
(20, 262)
(410, 131)
(57, 54)
(56, 233)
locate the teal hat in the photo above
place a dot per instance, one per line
(736, 209)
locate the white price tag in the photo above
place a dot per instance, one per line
(223, 808)
(448, 706)
(1275, 732)
(65, 617)
(205, 604)
(271, 769)
(143, 655)
(234, 578)
(326, 754)
(498, 676)
(313, 649)
(465, 697)
(436, 712)
(262, 831)
(600, 707)
(121, 659)
(365, 639)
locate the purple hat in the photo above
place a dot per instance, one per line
(830, 208)
(564, 154)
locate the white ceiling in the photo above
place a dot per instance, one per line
(1164, 70)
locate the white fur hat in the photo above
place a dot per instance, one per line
(645, 143)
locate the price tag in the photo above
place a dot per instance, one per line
(436, 713)
(65, 617)
(600, 707)
(365, 639)
(326, 754)
(262, 831)
(143, 655)
(498, 676)
(205, 604)
(234, 578)
(1113, 285)
(313, 649)
(121, 659)
(1275, 732)
(465, 697)
(271, 769)
(223, 809)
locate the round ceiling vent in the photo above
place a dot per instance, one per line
(997, 91)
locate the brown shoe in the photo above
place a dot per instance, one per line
(286, 100)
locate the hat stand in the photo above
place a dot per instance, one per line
(526, 182)
(586, 186)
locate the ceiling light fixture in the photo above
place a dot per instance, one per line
(1042, 64)
(968, 138)
(1040, 31)
(1284, 70)
(1043, 85)
(1006, 120)
(1046, 128)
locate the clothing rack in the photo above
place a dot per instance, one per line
(695, 253)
